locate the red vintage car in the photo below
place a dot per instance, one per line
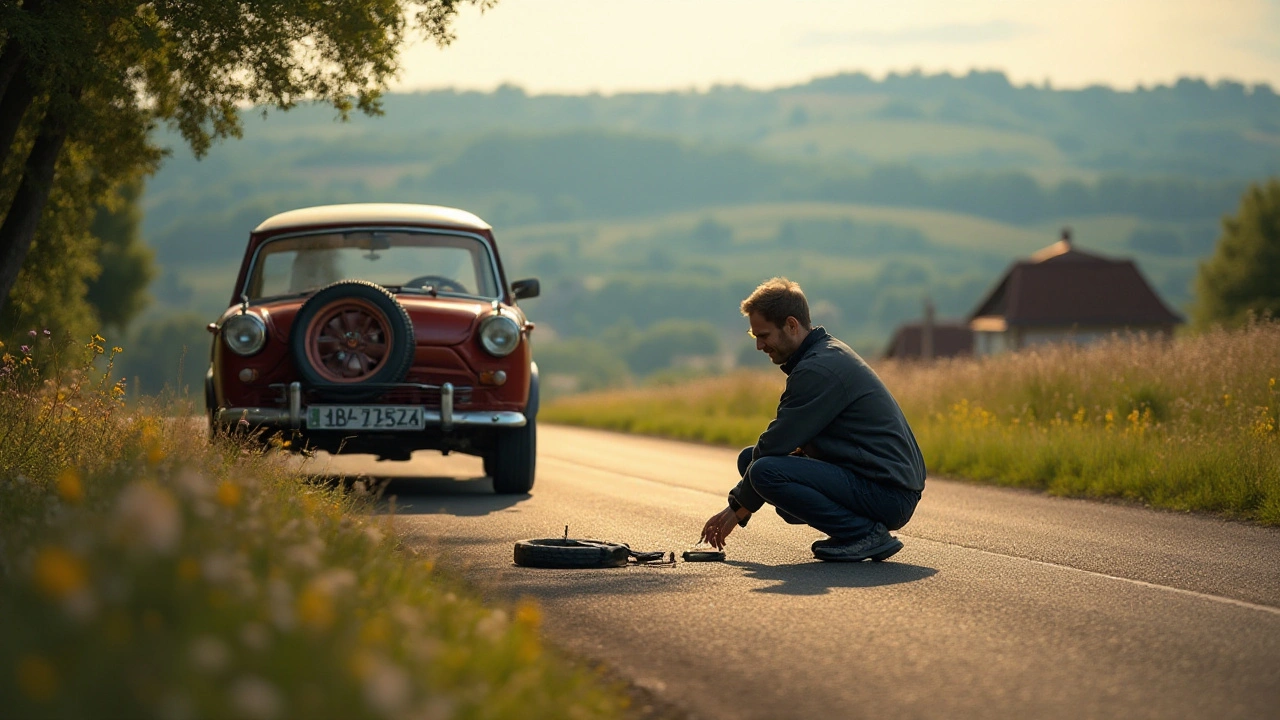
(382, 329)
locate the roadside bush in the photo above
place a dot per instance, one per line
(146, 573)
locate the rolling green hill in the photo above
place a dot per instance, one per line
(639, 208)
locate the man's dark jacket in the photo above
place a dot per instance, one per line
(836, 409)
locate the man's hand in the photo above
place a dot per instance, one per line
(718, 528)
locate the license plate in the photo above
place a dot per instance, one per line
(364, 417)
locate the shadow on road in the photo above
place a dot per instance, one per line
(431, 495)
(818, 578)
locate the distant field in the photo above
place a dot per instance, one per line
(760, 221)
(908, 140)
(1188, 425)
(597, 249)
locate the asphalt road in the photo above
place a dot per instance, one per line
(1003, 603)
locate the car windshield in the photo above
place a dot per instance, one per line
(423, 262)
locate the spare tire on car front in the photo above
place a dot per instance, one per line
(348, 338)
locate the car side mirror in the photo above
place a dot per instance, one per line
(527, 288)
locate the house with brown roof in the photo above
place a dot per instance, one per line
(930, 338)
(1064, 294)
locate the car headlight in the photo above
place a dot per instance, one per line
(245, 334)
(499, 335)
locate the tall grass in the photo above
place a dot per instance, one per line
(1190, 424)
(145, 573)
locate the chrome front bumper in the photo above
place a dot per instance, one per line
(294, 417)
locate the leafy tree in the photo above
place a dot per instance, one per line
(170, 352)
(119, 293)
(659, 345)
(1243, 276)
(84, 82)
(593, 364)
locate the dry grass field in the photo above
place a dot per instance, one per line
(1189, 424)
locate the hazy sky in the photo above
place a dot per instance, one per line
(580, 46)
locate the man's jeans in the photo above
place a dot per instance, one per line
(825, 496)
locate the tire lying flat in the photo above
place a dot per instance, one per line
(570, 553)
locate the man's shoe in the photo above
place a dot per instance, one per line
(877, 546)
(827, 542)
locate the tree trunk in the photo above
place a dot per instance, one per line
(10, 59)
(16, 89)
(14, 101)
(19, 227)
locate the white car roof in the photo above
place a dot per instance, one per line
(374, 214)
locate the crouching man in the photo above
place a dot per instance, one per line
(839, 456)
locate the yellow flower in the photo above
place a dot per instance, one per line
(58, 573)
(374, 632)
(37, 678)
(315, 608)
(69, 487)
(528, 614)
(1226, 400)
(228, 494)
(361, 664)
(188, 569)
(98, 338)
(117, 628)
(155, 454)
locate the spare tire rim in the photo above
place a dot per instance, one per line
(348, 341)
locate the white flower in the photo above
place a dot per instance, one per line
(194, 484)
(280, 604)
(80, 606)
(335, 581)
(176, 706)
(305, 555)
(208, 653)
(437, 708)
(147, 517)
(220, 567)
(492, 625)
(387, 688)
(255, 636)
(255, 698)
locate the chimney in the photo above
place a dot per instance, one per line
(926, 331)
(1066, 235)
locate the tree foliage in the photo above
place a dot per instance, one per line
(1243, 276)
(83, 83)
(127, 265)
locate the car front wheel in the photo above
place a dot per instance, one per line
(510, 461)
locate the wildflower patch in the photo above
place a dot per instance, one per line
(145, 571)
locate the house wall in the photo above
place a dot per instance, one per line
(993, 343)
(990, 343)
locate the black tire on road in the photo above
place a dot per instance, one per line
(400, 327)
(570, 553)
(512, 460)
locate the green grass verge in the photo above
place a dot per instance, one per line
(1190, 424)
(147, 573)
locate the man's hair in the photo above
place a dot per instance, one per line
(776, 299)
